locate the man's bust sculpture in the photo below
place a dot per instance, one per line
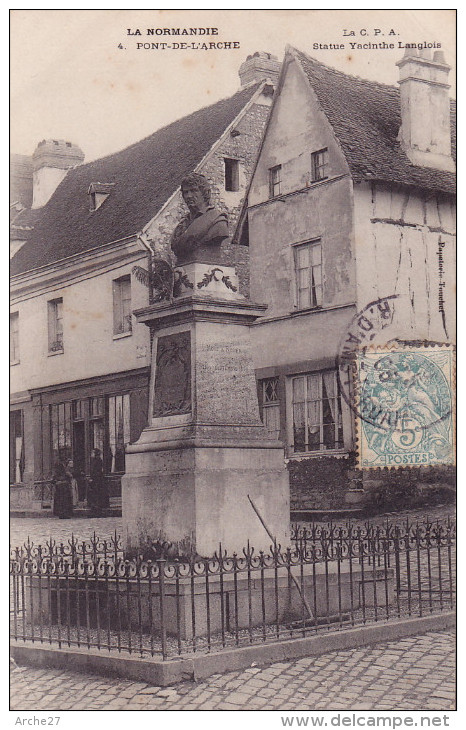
(198, 236)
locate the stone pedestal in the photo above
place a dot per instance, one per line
(205, 450)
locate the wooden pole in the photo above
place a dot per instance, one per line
(303, 597)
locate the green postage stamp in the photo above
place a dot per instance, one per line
(405, 414)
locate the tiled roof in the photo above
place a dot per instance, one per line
(144, 176)
(366, 119)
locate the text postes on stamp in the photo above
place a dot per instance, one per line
(404, 406)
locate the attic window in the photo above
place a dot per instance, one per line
(320, 165)
(98, 194)
(231, 174)
(275, 181)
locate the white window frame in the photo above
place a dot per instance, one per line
(122, 320)
(55, 326)
(338, 421)
(314, 279)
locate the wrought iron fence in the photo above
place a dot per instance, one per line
(87, 594)
(93, 548)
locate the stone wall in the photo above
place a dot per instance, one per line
(320, 482)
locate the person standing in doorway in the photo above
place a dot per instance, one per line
(62, 494)
(97, 498)
(71, 473)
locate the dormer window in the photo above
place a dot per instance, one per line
(98, 194)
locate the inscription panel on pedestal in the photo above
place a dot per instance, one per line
(226, 390)
(172, 387)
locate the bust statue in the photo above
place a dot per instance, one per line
(198, 236)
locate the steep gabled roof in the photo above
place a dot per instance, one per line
(145, 175)
(366, 119)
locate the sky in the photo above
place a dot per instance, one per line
(71, 80)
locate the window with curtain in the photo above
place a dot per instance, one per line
(317, 421)
(122, 322)
(118, 431)
(308, 274)
(270, 406)
(55, 325)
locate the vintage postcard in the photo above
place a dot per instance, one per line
(232, 360)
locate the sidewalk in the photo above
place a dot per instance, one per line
(415, 673)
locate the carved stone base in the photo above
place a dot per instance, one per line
(206, 280)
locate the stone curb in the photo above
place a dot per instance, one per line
(172, 671)
(27, 514)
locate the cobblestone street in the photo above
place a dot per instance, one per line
(415, 673)
(40, 529)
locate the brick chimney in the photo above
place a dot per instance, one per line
(258, 67)
(425, 133)
(51, 161)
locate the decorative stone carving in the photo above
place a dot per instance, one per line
(172, 394)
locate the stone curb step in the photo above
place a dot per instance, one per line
(164, 673)
(111, 512)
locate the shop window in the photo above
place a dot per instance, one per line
(60, 432)
(16, 447)
(96, 424)
(55, 325)
(79, 410)
(270, 406)
(308, 273)
(122, 322)
(96, 407)
(319, 165)
(96, 435)
(317, 421)
(118, 431)
(14, 338)
(275, 181)
(231, 174)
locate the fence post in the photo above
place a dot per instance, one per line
(163, 629)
